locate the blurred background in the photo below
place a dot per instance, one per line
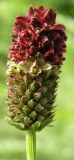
(53, 143)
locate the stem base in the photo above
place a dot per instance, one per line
(31, 145)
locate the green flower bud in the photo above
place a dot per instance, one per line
(39, 108)
(28, 94)
(37, 96)
(33, 115)
(26, 110)
(27, 121)
(31, 103)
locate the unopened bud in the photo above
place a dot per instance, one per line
(33, 115)
(37, 96)
(31, 103)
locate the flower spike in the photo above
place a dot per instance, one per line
(35, 59)
(34, 64)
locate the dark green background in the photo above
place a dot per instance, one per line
(53, 143)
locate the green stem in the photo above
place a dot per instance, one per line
(31, 145)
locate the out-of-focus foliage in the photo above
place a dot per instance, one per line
(54, 143)
(64, 6)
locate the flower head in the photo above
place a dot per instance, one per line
(37, 34)
(40, 43)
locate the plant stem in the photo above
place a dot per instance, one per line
(31, 144)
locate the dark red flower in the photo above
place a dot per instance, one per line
(38, 34)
